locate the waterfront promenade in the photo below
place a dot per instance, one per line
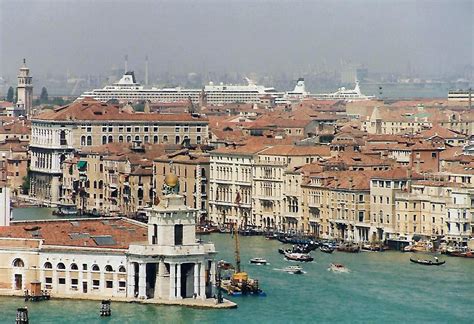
(381, 287)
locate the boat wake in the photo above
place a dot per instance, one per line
(289, 271)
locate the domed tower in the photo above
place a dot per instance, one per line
(25, 89)
(172, 264)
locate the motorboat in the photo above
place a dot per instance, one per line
(337, 267)
(293, 269)
(300, 257)
(428, 262)
(373, 248)
(351, 248)
(326, 249)
(258, 261)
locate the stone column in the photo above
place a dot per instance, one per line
(68, 281)
(115, 284)
(55, 280)
(142, 281)
(178, 281)
(172, 281)
(131, 280)
(102, 281)
(80, 279)
(196, 279)
(159, 293)
(213, 272)
(202, 282)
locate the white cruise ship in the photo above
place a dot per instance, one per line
(460, 95)
(344, 94)
(127, 89)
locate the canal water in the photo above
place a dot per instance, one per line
(380, 287)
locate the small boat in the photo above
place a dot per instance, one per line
(202, 230)
(258, 261)
(293, 269)
(461, 253)
(351, 248)
(300, 257)
(326, 249)
(337, 267)
(374, 248)
(428, 262)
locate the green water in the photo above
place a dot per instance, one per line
(33, 213)
(381, 287)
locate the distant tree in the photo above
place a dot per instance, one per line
(44, 95)
(16, 95)
(10, 94)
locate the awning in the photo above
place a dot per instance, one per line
(81, 164)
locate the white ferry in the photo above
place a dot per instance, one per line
(344, 94)
(127, 89)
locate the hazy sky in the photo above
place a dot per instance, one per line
(247, 36)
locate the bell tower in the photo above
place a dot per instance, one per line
(25, 89)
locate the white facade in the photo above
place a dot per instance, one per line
(172, 265)
(5, 211)
(230, 175)
(51, 144)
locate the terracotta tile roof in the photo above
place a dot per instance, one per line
(443, 132)
(140, 170)
(297, 150)
(356, 159)
(16, 127)
(79, 232)
(91, 109)
(397, 174)
(5, 104)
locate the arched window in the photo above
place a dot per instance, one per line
(146, 139)
(122, 269)
(111, 139)
(61, 266)
(83, 140)
(95, 267)
(129, 139)
(109, 268)
(48, 265)
(18, 263)
(155, 139)
(74, 266)
(89, 140)
(101, 184)
(137, 138)
(177, 139)
(121, 139)
(198, 139)
(165, 139)
(104, 139)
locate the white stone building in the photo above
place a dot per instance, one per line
(111, 258)
(57, 134)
